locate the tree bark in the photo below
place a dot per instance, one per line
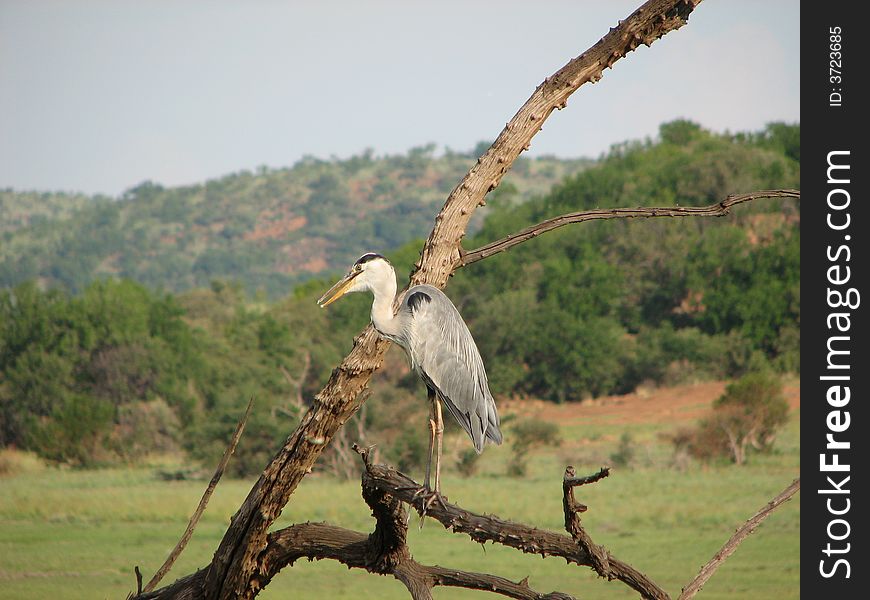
(237, 569)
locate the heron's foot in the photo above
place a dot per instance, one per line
(431, 497)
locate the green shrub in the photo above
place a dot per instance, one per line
(744, 419)
(263, 435)
(143, 428)
(625, 452)
(74, 432)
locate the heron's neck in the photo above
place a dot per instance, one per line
(383, 318)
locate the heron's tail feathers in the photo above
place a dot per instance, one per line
(493, 434)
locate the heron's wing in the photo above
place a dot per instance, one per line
(444, 353)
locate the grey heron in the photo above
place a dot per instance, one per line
(440, 349)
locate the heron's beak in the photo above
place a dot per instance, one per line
(337, 291)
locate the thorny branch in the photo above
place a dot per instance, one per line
(526, 538)
(720, 209)
(248, 556)
(236, 570)
(741, 534)
(598, 557)
(384, 551)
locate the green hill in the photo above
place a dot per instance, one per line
(267, 230)
(118, 370)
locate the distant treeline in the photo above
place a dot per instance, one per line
(117, 371)
(268, 230)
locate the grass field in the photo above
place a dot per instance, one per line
(78, 534)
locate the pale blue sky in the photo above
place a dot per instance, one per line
(99, 95)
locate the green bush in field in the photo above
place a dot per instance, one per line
(624, 454)
(263, 435)
(745, 418)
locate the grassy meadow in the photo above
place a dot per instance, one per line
(77, 534)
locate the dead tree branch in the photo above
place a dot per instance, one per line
(384, 551)
(236, 564)
(441, 253)
(489, 528)
(735, 540)
(599, 559)
(203, 502)
(720, 209)
(237, 569)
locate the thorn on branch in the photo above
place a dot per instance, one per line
(364, 452)
(599, 558)
(573, 481)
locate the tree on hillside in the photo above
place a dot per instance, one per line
(250, 555)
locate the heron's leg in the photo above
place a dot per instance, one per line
(432, 426)
(439, 434)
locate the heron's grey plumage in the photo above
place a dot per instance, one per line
(444, 355)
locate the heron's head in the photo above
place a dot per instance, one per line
(369, 270)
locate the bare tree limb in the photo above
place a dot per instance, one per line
(598, 556)
(720, 209)
(236, 564)
(735, 540)
(441, 253)
(322, 541)
(489, 528)
(203, 502)
(384, 552)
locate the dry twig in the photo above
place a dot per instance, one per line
(720, 209)
(203, 502)
(741, 534)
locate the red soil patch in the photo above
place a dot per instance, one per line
(276, 229)
(305, 256)
(686, 403)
